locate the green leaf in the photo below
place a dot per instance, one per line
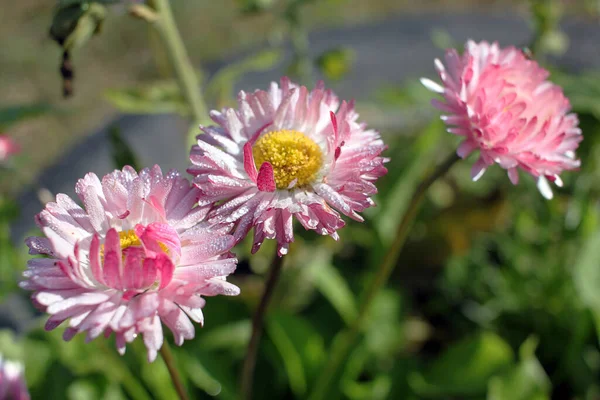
(465, 368)
(82, 389)
(375, 389)
(384, 334)
(395, 203)
(254, 6)
(65, 20)
(12, 261)
(9, 209)
(583, 90)
(336, 63)
(122, 153)
(87, 358)
(526, 381)
(442, 39)
(586, 277)
(301, 348)
(586, 272)
(114, 392)
(75, 23)
(210, 371)
(333, 286)
(232, 336)
(360, 389)
(68, 3)
(12, 114)
(154, 98)
(10, 348)
(200, 376)
(37, 358)
(156, 375)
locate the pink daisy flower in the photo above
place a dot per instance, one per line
(283, 153)
(136, 255)
(8, 147)
(502, 104)
(12, 382)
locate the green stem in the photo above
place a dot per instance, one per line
(303, 67)
(300, 46)
(345, 340)
(167, 356)
(258, 320)
(180, 61)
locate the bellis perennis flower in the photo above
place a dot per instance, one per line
(501, 103)
(137, 255)
(12, 382)
(283, 153)
(7, 148)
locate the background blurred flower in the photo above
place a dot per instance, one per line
(502, 104)
(138, 254)
(8, 147)
(287, 152)
(12, 383)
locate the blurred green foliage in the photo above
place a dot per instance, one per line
(496, 295)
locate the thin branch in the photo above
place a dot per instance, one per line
(346, 339)
(167, 356)
(257, 326)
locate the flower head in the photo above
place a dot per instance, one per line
(136, 255)
(501, 103)
(283, 153)
(12, 382)
(7, 148)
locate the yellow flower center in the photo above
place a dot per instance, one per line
(129, 239)
(293, 155)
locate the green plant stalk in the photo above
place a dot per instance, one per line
(300, 46)
(167, 356)
(299, 41)
(344, 341)
(258, 320)
(184, 71)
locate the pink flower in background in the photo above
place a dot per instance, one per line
(12, 382)
(503, 106)
(136, 255)
(283, 153)
(7, 148)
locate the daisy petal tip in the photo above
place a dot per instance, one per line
(476, 174)
(544, 188)
(557, 181)
(432, 86)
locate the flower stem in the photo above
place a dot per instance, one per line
(184, 71)
(258, 320)
(167, 356)
(343, 343)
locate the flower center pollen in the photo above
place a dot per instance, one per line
(293, 155)
(130, 239)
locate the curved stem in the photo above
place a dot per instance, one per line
(167, 356)
(180, 61)
(301, 61)
(258, 320)
(346, 338)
